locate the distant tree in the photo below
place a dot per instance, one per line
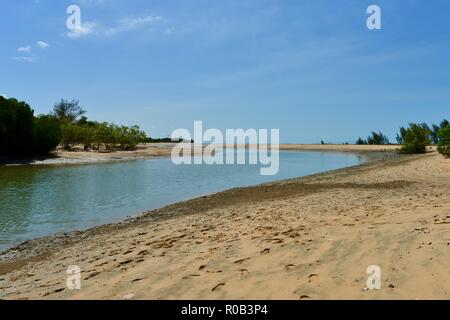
(377, 139)
(401, 135)
(68, 111)
(361, 141)
(435, 130)
(322, 142)
(416, 139)
(444, 141)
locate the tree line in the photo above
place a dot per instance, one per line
(24, 134)
(416, 138)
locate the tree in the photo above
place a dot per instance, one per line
(436, 129)
(444, 141)
(361, 141)
(416, 139)
(16, 126)
(401, 135)
(46, 134)
(22, 134)
(68, 111)
(377, 138)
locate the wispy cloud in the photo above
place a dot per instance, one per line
(42, 44)
(24, 49)
(27, 59)
(129, 24)
(123, 25)
(86, 29)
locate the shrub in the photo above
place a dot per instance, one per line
(415, 139)
(377, 139)
(444, 141)
(361, 141)
(46, 134)
(16, 126)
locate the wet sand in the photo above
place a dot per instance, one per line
(306, 238)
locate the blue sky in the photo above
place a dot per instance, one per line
(310, 68)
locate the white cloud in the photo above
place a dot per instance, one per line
(123, 25)
(24, 49)
(85, 29)
(3, 95)
(42, 44)
(28, 59)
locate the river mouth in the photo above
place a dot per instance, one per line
(38, 201)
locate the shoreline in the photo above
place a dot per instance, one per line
(170, 225)
(163, 150)
(371, 156)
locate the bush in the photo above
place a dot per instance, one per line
(94, 135)
(16, 126)
(361, 141)
(415, 139)
(46, 134)
(444, 141)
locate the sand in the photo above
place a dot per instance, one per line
(306, 238)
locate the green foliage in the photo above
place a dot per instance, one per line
(96, 135)
(444, 141)
(16, 127)
(361, 141)
(46, 134)
(377, 139)
(68, 111)
(436, 130)
(22, 134)
(415, 139)
(374, 138)
(401, 135)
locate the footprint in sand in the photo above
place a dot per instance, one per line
(218, 286)
(311, 276)
(289, 267)
(241, 260)
(190, 276)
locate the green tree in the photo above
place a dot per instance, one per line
(416, 139)
(436, 129)
(444, 141)
(377, 139)
(16, 127)
(361, 141)
(46, 134)
(68, 111)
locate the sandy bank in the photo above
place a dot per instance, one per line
(304, 238)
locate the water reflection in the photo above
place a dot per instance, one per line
(37, 201)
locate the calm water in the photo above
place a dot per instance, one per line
(36, 201)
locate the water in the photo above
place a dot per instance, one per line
(36, 201)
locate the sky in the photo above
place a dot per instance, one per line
(309, 68)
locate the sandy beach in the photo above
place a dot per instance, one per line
(305, 238)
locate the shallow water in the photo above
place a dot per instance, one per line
(37, 201)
